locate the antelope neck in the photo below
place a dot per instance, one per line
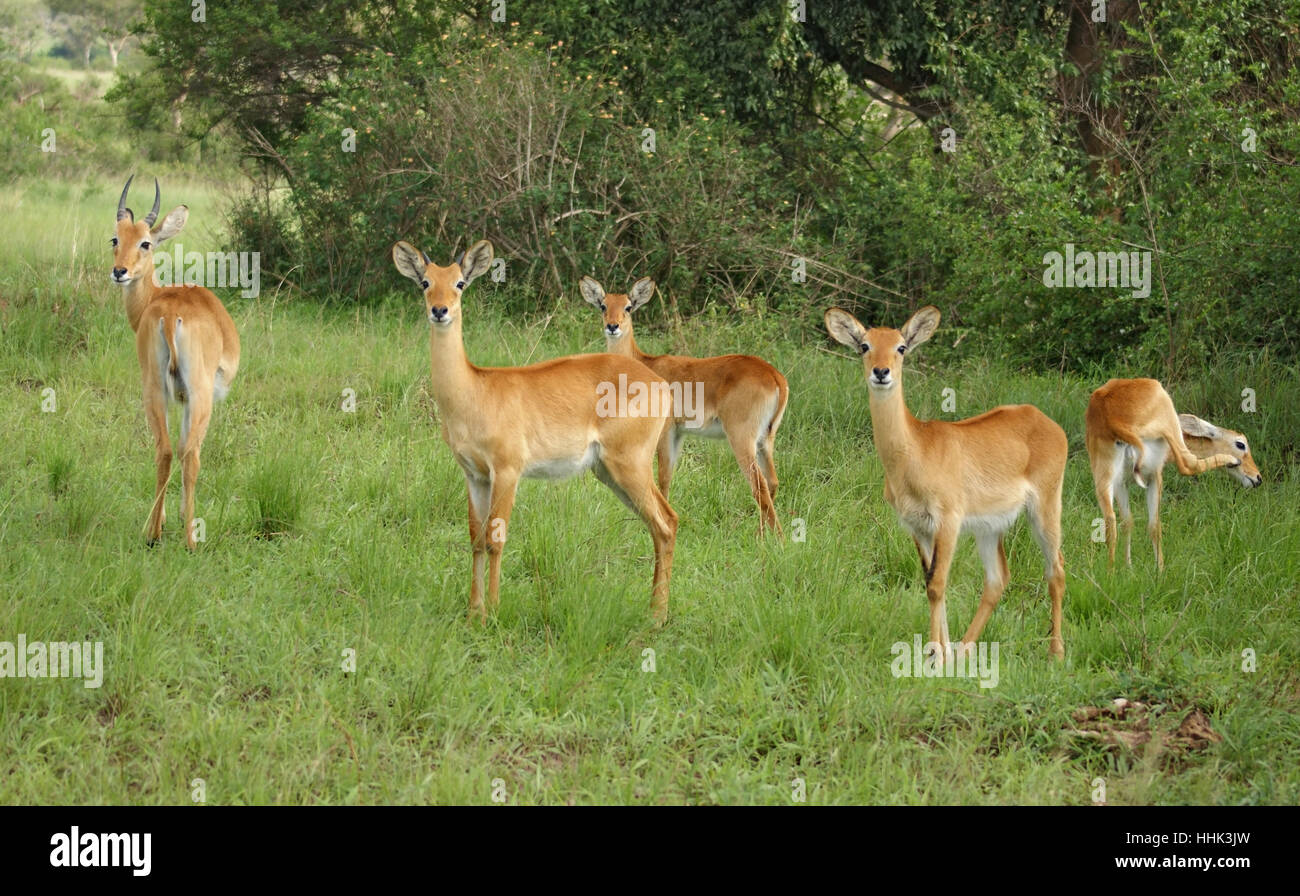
(137, 295)
(892, 424)
(455, 380)
(627, 345)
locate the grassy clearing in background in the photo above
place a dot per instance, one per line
(330, 531)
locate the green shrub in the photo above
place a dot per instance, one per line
(500, 143)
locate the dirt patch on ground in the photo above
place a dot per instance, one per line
(1167, 732)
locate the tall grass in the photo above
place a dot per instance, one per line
(233, 665)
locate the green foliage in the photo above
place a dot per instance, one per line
(443, 147)
(48, 130)
(969, 229)
(259, 65)
(778, 143)
(59, 128)
(673, 61)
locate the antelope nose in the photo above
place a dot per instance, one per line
(611, 328)
(880, 373)
(438, 313)
(119, 273)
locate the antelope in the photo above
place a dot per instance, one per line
(742, 398)
(1132, 432)
(543, 421)
(186, 344)
(973, 475)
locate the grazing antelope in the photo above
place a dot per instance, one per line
(973, 475)
(743, 398)
(1133, 431)
(543, 421)
(186, 344)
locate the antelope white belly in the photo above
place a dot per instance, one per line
(711, 430)
(1155, 454)
(562, 467)
(990, 523)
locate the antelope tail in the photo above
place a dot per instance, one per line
(174, 380)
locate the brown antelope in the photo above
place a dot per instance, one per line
(186, 344)
(737, 397)
(543, 421)
(973, 475)
(1132, 432)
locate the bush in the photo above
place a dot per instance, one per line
(87, 136)
(499, 143)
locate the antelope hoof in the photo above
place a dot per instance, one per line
(937, 653)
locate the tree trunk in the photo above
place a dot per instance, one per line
(176, 110)
(1100, 125)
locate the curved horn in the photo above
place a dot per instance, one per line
(157, 204)
(427, 260)
(122, 210)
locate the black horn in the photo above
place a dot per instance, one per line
(122, 210)
(157, 204)
(427, 260)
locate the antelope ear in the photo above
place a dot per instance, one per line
(409, 261)
(476, 260)
(920, 326)
(593, 292)
(641, 292)
(1195, 427)
(845, 329)
(170, 225)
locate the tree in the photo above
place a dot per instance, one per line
(20, 28)
(259, 65)
(79, 32)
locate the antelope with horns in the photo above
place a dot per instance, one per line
(186, 344)
(1132, 431)
(973, 475)
(741, 398)
(548, 421)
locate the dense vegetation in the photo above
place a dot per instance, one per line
(1169, 127)
(785, 168)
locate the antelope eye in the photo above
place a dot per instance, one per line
(460, 284)
(602, 307)
(902, 349)
(424, 284)
(113, 241)
(1241, 446)
(629, 309)
(145, 245)
(864, 348)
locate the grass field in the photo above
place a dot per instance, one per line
(329, 531)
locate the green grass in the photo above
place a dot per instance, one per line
(330, 531)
